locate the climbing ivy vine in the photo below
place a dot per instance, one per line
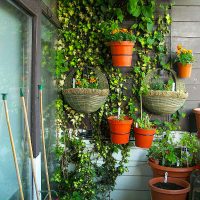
(89, 171)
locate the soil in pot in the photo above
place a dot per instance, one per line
(169, 194)
(168, 186)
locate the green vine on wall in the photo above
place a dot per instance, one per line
(90, 171)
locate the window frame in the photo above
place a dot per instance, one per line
(36, 8)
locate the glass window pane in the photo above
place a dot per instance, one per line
(49, 34)
(15, 72)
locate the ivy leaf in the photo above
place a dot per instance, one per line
(150, 41)
(133, 8)
(150, 26)
(134, 26)
(168, 18)
(119, 14)
(147, 11)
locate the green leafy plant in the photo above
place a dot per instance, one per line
(182, 153)
(112, 32)
(159, 84)
(144, 122)
(184, 56)
(86, 81)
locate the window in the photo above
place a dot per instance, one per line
(48, 37)
(15, 73)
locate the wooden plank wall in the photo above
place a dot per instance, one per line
(185, 29)
(133, 185)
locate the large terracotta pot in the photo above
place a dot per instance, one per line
(196, 111)
(182, 173)
(121, 53)
(163, 194)
(143, 137)
(184, 71)
(120, 129)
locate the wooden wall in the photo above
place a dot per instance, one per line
(185, 29)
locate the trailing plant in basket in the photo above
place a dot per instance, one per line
(86, 81)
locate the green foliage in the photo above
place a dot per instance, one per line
(144, 122)
(159, 84)
(85, 80)
(112, 32)
(90, 173)
(180, 153)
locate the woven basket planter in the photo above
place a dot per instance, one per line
(165, 102)
(86, 100)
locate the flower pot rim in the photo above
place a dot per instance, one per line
(113, 43)
(171, 180)
(152, 129)
(114, 118)
(196, 110)
(170, 169)
(185, 65)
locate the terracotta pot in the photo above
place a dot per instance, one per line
(196, 111)
(143, 137)
(120, 129)
(184, 71)
(163, 194)
(120, 138)
(182, 173)
(122, 53)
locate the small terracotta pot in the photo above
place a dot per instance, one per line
(175, 172)
(120, 138)
(184, 71)
(120, 129)
(122, 53)
(163, 194)
(144, 137)
(196, 111)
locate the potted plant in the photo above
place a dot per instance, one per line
(144, 129)
(85, 92)
(185, 59)
(174, 188)
(177, 157)
(121, 42)
(120, 127)
(144, 132)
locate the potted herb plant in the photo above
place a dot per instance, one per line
(144, 129)
(185, 59)
(120, 127)
(121, 42)
(177, 157)
(144, 132)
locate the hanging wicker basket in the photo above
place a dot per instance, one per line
(86, 100)
(164, 102)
